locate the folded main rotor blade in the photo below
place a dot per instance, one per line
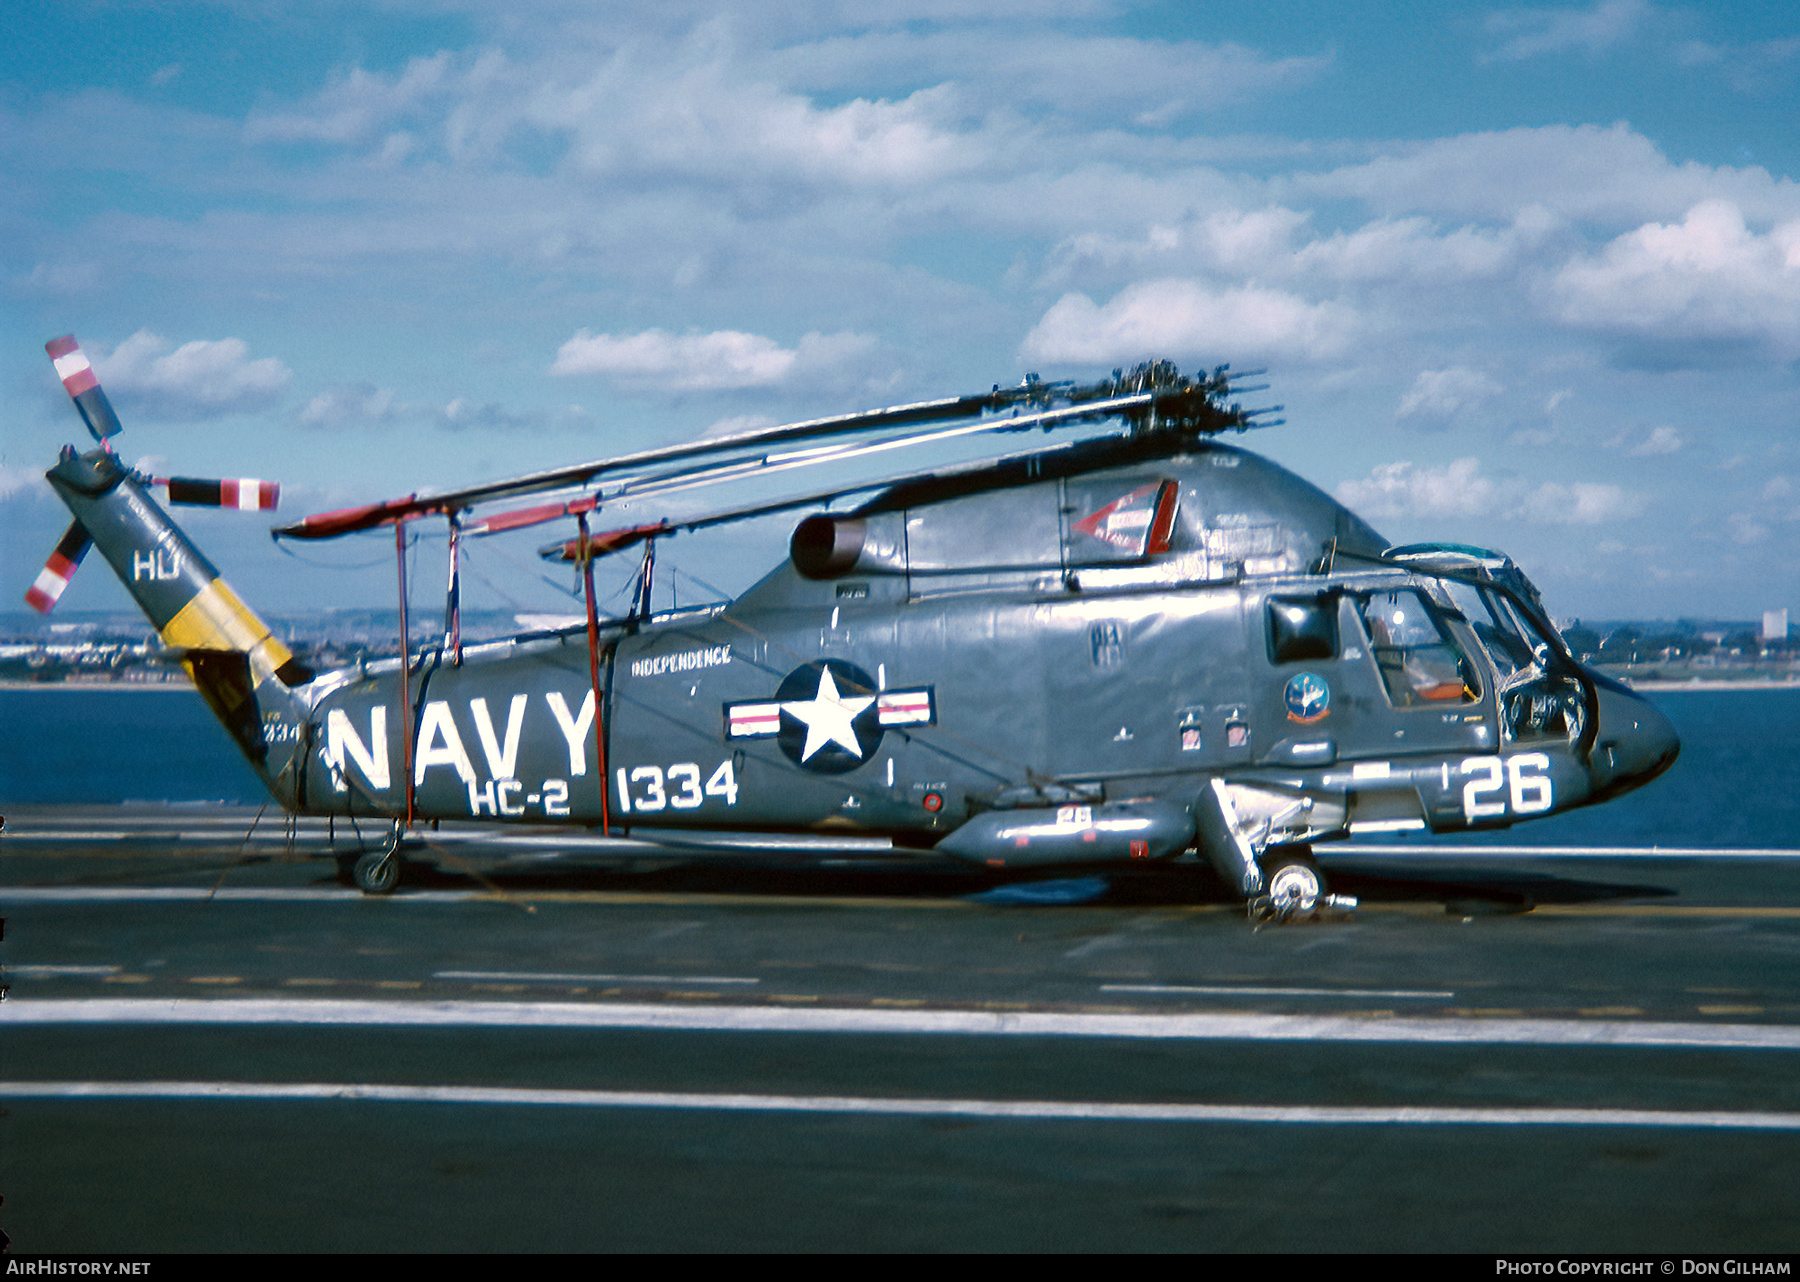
(605, 541)
(613, 540)
(326, 525)
(711, 470)
(1154, 396)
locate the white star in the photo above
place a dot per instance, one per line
(827, 717)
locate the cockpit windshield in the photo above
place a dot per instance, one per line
(1509, 636)
(1540, 696)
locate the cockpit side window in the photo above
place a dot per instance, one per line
(1421, 664)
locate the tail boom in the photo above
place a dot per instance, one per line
(236, 662)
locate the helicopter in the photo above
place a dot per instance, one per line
(1111, 650)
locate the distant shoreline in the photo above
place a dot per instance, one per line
(148, 686)
(1658, 686)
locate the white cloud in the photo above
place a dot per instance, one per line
(1663, 439)
(1188, 319)
(1611, 175)
(1745, 529)
(1751, 67)
(200, 379)
(1405, 489)
(363, 405)
(63, 278)
(350, 405)
(704, 122)
(1276, 242)
(1540, 31)
(17, 480)
(357, 106)
(1390, 249)
(1708, 277)
(461, 413)
(1236, 242)
(1577, 503)
(1438, 395)
(718, 361)
(1148, 82)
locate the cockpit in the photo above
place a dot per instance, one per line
(1543, 692)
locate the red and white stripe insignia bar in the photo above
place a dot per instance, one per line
(44, 593)
(753, 720)
(84, 389)
(242, 493)
(906, 708)
(917, 707)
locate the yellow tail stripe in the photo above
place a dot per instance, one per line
(216, 620)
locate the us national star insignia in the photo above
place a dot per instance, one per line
(829, 715)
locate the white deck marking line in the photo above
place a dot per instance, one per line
(1249, 990)
(50, 972)
(271, 895)
(226, 894)
(534, 977)
(1033, 1110)
(1561, 852)
(670, 842)
(786, 1019)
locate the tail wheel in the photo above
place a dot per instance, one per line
(378, 872)
(1294, 885)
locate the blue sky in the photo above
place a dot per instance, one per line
(1525, 277)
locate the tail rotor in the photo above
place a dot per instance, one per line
(244, 494)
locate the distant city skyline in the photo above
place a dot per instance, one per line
(1526, 277)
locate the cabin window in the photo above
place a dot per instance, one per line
(1119, 519)
(1301, 628)
(1420, 663)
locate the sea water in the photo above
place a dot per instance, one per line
(1736, 785)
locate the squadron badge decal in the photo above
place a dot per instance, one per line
(1308, 698)
(828, 716)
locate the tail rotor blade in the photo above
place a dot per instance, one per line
(83, 388)
(59, 569)
(242, 493)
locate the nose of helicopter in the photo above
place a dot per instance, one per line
(1634, 742)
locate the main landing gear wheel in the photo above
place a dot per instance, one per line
(1294, 890)
(1295, 886)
